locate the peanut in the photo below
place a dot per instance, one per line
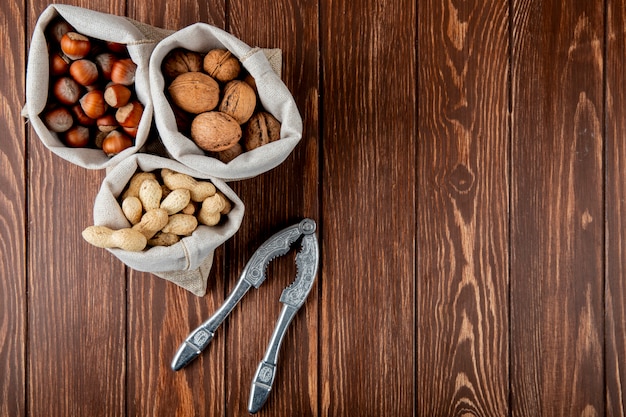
(132, 208)
(163, 239)
(213, 204)
(176, 201)
(189, 209)
(165, 191)
(135, 183)
(151, 222)
(209, 218)
(227, 203)
(181, 224)
(199, 189)
(150, 194)
(126, 239)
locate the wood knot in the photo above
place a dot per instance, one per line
(586, 220)
(461, 179)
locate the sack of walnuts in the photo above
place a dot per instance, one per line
(87, 88)
(157, 215)
(219, 106)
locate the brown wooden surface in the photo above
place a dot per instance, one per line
(466, 165)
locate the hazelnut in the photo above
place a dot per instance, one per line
(66, 90)
(77, 137)
(93, 104)
(107, 123)
(117, 95)
(99, 139)
(115, 142)
(239, 101)
(118, 48)
(59, 64)
(195, 92)
(221, 64)
(58, 119)
(81, 117)
(57, 29)
(84, 72)
(75, 45)
(262, 128)
(130, 114)
(178, 61)
(123, 71)
(130, 131)
(104, 62)
(215, 131)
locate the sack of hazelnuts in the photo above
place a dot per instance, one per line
(219, 106)
(157, 215)
(87, 88)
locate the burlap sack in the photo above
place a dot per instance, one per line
(140, 40)
(274, 95)
(186, 263)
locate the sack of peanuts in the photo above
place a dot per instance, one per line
(87, 88)
(219, 106)
(157, 215)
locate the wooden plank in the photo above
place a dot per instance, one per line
(368, 194)
(12, 213)
(462, 277)
(77, 309)
(557, 220)
(162, 314)
(615, 151)
(275, 200)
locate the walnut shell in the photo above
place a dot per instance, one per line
(239, 101)
(221, 64)
(179, 61)
(215, 131)
(230, 153)
(195, 92)
(262, 129)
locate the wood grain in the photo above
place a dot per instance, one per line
(615, 267)
(13, 267)
(557, 228)
(77, 309)
(368, 198)
(462, 273)
(275, 200)
(161, 314)
(465, 164)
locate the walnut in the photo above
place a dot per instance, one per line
(262, 129)
(179, 60)
(195, 92)
(222, 65)
(215, 131)
(229, 154)
(239, 101)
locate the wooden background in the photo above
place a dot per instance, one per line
(465, 163)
